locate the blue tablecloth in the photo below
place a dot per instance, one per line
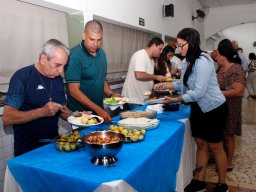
(150, 165)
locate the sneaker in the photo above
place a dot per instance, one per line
(221, 187)
(195, 186)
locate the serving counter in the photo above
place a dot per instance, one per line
(162, 162)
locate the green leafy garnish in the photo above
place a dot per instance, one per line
(111, 100)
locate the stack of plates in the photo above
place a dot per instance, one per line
(139, 123)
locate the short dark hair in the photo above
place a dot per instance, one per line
(168, 49)
(94, 26)
(155, 40)
(252, 56)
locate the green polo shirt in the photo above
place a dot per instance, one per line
(88, 70)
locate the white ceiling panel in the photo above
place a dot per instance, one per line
(224, 3)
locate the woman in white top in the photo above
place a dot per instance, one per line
(251, 79)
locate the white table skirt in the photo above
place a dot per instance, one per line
(184, 174)
(188, 159)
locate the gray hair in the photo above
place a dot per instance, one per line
(94, 26)
(51, 45)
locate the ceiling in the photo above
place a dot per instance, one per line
(224, 3)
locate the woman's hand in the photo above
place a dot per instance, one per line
(171, 99)
(163, 86)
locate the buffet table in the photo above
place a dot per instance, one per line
(150, 165)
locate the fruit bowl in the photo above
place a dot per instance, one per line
(69, 141)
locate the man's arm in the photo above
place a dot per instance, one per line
(12, 115)
(108, 91)
(143, 76)
(77, 94)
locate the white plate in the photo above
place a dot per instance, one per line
(154, 101)
(150, 124)
(76, 121)
(122, 101)
(161, 90)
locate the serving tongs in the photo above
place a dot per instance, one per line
(80, 114)
(58, 139)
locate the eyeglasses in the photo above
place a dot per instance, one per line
(181, 46)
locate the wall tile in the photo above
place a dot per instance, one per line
(7, 140)
(8, 150)
(1, 152)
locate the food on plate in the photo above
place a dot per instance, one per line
(85, 120)
(169, 79)
(79, 114)
(137, 114)
(76, 114)
(159, 94)
(69, 142)
(130, 135)
(90, 120)
(115, 100)
(147, 93)
(152, 98)
(97, 139)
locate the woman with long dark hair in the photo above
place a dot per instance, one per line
(208, 113)
(162, 64)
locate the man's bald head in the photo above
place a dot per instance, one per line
(93, 34)
(93, 26)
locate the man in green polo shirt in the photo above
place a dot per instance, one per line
(86, 71)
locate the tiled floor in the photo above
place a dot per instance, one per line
(243, 177)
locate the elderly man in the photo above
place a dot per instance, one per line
(86, 72)
(241, 55)
(36, 99)
(140, 74)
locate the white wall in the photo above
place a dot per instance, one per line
(127, 13)
(227, 21)
(67, 6)
(244, 34)
(222, 18)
